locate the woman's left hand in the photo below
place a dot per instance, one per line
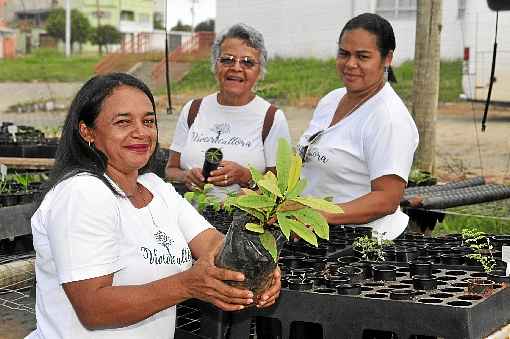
(269, 297)
(229, 173)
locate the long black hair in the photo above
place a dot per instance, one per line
(74, 155)
(378, 26)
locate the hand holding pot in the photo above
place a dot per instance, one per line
(229, 173)
(205, 281)
(193, 177)
(269, 297)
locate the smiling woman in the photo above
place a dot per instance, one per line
(235, 120)
(114, 243)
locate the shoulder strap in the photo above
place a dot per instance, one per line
(268, 121)
(193, 111)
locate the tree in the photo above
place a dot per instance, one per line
(180, 27)
(80, 26)
(205, 26)
(426, 80)
(105, 35)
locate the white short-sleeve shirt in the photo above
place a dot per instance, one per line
(82, 230)
(236, 130)
(377, 139)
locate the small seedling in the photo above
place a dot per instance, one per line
(201, 199)
(481, 246)
(371, 249)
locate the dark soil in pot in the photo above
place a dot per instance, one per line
(243, 252)
(419, 267)
(424, 283)
(384, 273)
(349, 289)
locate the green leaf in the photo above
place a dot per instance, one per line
(268, 241)
(298, 189)
(254, 201)
(303, 232)
(269, 183)
(207, 188)
(256, 175)
(294, 172)
(283, 164)
(285, 226)
(313, 218)
(254, 227)
(189, 196)
(259, 215)
(318, 204)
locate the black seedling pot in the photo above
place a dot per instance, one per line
(384, 273)
(452, 258)
(213, 157)
(366, 267)
(480, 286)
(349, 289)
(299, 284)
(499, 277)
(334, 280)
(402, 294)
(347, 260)
(405, 253)
(423, 268)
(292, 261)
(421, 282)
(353, 272)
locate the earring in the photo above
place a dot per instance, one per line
(90, 142)
(385, 73)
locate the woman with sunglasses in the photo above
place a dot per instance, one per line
(243, 125)
(359, 145)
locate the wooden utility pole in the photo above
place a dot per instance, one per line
(98, 29)
(426, 80)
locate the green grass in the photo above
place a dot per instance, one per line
(48, 65)
(291, 80)
(455, 224)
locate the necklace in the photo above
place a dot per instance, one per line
(355, 107)
(145, 203)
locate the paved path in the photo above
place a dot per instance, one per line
(12, 93)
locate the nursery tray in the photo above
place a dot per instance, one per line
(27, 163)
(432, 313)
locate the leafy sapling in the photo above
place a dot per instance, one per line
(371, 248)
(277, 204)
(201, 199)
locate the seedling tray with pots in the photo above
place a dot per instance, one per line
(447, 311)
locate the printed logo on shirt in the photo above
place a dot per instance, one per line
(158, 257)
(220, 135)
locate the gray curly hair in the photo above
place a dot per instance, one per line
(250, 35)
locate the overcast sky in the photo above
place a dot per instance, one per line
(181, 10)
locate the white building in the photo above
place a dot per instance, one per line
(302, 28)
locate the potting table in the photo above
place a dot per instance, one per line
(27, 163)
(15, 221)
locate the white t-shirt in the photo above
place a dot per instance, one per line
(377, 139)
(82, 230)
(236, 130)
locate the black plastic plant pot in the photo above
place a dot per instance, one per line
(499, 277)
(405, 254)
(347, 260)
(426, 283)
(299, 284)
(292, 261)
(353, 272)
(366, 267)
(349, 289)
(384, 273)
(423, 268)
(213, 157)
(406, 294)
(452, 258)
(335, 280)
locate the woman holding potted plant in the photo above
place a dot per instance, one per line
(235, 120)
(114, 243)
(359, 145)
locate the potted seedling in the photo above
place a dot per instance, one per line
(213, 157)
(370, 249)
(265, 218)
(24, 180)
(482, 253)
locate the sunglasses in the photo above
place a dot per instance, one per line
(230, 60)
(311, 140)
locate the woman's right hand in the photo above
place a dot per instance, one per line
(193, 178)
(206, 282)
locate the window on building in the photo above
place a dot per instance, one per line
(144, 18)
(461, 9)
(396, 9)
(102, 14)
(127, 16)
